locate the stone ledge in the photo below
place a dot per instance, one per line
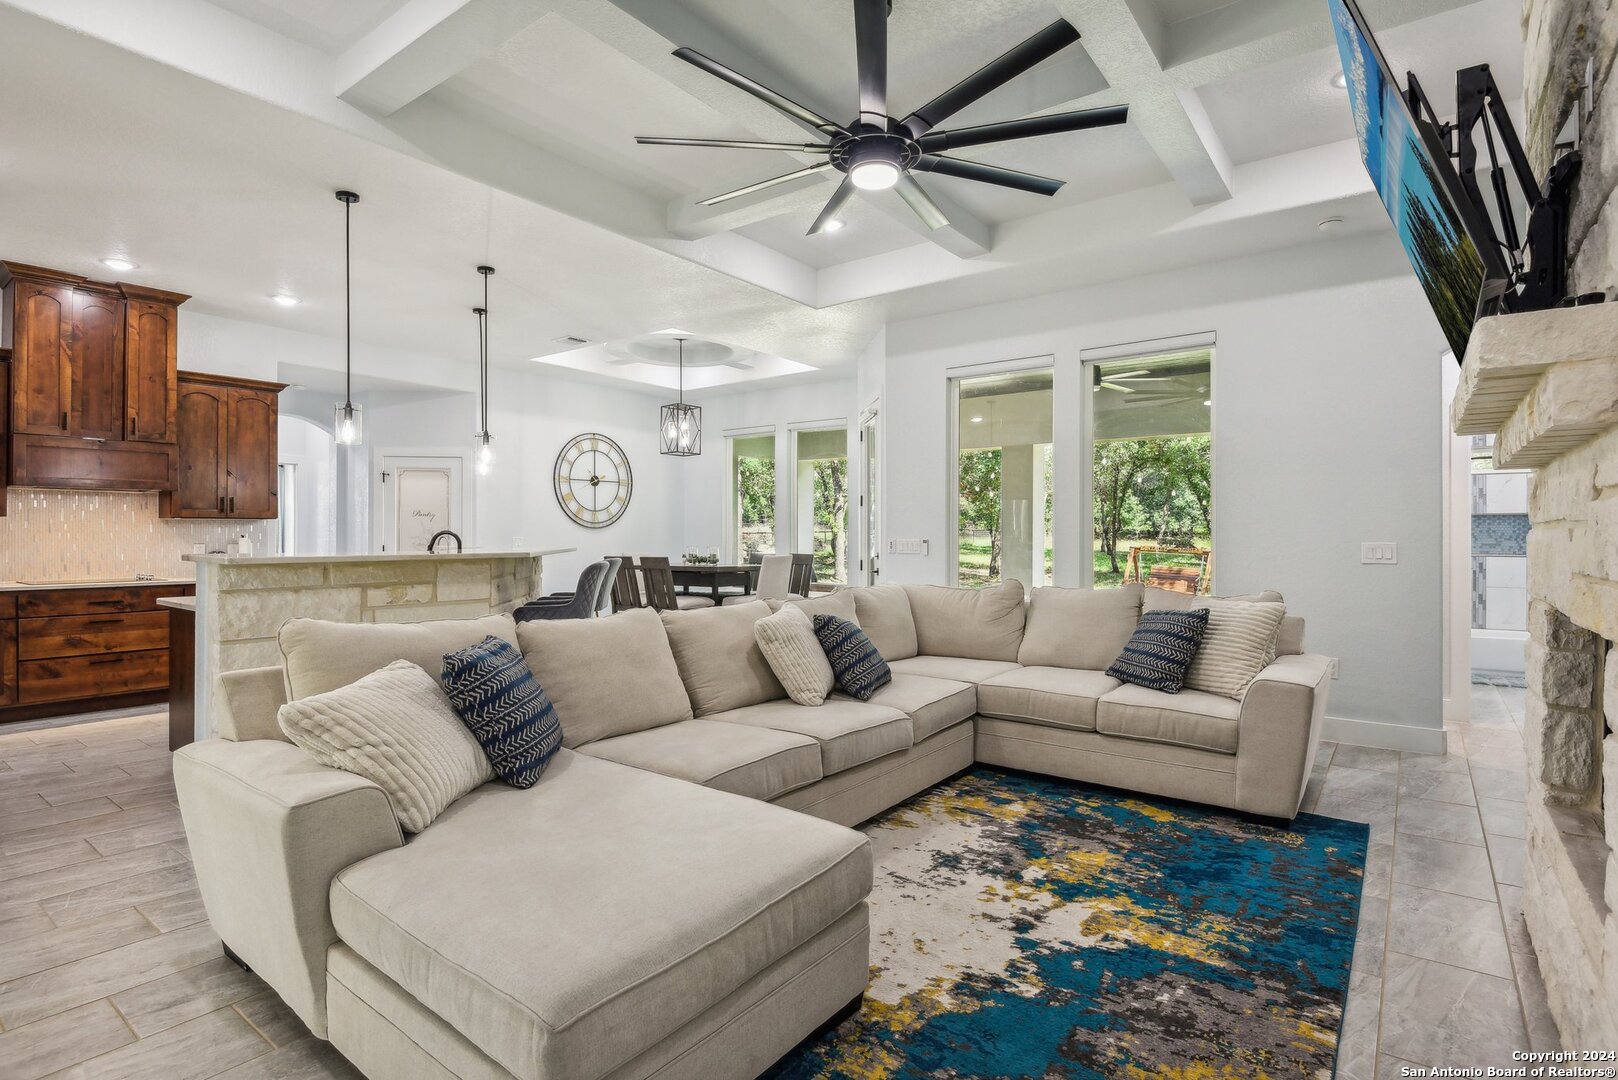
(1543, 380)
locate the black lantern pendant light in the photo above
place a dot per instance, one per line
(485, 451)
(348, 420)
(681, 423)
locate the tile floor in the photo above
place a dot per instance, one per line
(108, 967)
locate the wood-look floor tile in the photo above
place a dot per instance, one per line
(45, 1046)
(172, 912)
(157, 793)
(21, 802)
(308, 1059)
(34, 997)
(15, 825)
(273, 1019)
(112, 783)
(95, 825)
(125, 892)
(185, 995)
(61, 945)
(155, 833)
(195, 1050)
(88, 873)
(41, 859)
(25, 924)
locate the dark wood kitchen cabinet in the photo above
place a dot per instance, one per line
(226, 430)
(151, 354)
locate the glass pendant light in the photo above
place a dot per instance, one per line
(348, 418)
(681, 424)
(485, 449)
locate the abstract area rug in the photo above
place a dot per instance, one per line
(1025, 927)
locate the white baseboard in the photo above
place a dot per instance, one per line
(1418, 740)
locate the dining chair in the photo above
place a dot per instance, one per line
(803, 574)
(626, 593)
(660, 594)
(774, 581)
(582, 603)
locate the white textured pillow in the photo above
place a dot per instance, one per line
(396, 728)
(787, 640)
(1239, 642)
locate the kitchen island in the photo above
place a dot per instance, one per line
(242, 600)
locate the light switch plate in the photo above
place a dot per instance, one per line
(1331, 666)
(909, 547)
(1379, 552)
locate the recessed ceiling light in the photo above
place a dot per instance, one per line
(286, 299)
(977, 419)
(834, 224)
(1331, 224)
(113, 262)
(1340, 81)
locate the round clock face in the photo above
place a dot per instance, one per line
(593, 481)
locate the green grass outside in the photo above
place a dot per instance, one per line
(973, 561)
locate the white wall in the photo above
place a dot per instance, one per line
(308, 446)
(1326, 377)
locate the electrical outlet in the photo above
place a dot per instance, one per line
(1378, 552)
(910, 547)
(1331, 666)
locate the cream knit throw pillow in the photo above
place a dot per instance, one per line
(1238, 644)
(787, 640)
(396, 728)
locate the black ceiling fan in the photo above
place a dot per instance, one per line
(877, 151)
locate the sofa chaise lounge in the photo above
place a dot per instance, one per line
(680, 895)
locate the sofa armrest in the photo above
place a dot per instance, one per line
(246, 703)
(269, 827)
(1282, 715)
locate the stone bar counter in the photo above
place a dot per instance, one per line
(243, 600)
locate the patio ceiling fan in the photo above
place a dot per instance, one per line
(1117, 380)
(875, 151)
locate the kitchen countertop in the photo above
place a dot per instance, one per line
(390, 556)
(17, 586)
(178, 603)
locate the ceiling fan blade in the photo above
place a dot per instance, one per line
(988, 174)
(735, 144)
(1055, 123)
(931, 214)
(762, 184)
(834, 206)
(1125, 374)
(807, 117)
(871, 52)
(1043, 45)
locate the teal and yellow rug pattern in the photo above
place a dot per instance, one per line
(1025, 927)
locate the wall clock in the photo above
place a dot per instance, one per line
(593, 480)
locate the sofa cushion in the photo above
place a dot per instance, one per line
(982, 624)
(1155, 599)
(956, 668)
(1238, 644)
(566, 928)
(492, 690)
(838, 602)
(1053, 696)
(1289, 638)
(1190, 718)
(761, 763)
(1159, 653)
(395, 728)
(855, 663)
(719, 659)
(1078, 628)
(319, 656)
(883, 612)
(849, 732)
(787, 640)
(931, 704)
(572, 659)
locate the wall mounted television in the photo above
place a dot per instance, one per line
(1410, 167)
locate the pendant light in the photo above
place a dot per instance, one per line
(681, 426)
(485, 451)
(349, 420)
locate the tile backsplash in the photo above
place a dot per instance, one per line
(49, 534)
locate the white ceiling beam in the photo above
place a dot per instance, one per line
(422, 45)
(966, 236)
(1125, 45)
(690, 220)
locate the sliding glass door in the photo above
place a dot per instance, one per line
(1003, 434)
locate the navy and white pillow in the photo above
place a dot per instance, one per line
(859, 669)
(1160, 651)
(495, 694)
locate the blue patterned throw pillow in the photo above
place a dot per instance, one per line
(858, 667)
(497, 697)
(1159, 652)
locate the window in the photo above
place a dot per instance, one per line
(1151, 460)
(820, 507)
(752, 494)
(286, 476)
(1003, 478)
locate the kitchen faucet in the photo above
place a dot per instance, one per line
(432, 544)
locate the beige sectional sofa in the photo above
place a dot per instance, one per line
(678, 895)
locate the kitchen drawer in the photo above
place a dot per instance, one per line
(82, 635)
(95, 601)
(8, 600)
(72, 677)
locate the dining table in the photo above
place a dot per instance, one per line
(709, 578)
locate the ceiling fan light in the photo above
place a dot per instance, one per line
(834, 225)
(874, 175)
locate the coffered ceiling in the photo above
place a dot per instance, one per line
(486, 121)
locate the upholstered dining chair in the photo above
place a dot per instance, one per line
(583, 602)
(659, 581)
(774, 581)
